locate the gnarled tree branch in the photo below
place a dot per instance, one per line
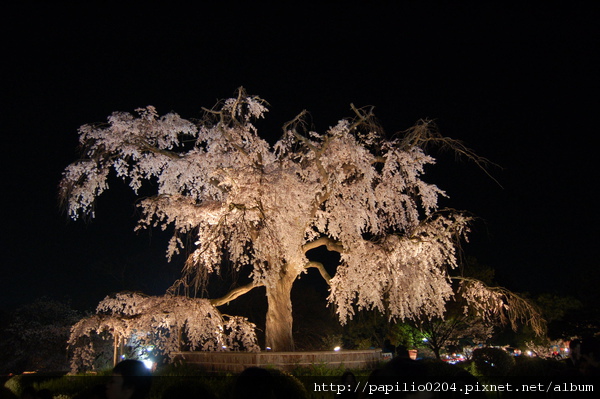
(319, 266)
(233, 294)
(331, 245)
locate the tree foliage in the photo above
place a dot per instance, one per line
(261, 208)
(500, 305)
(34, 335)
(169, 323)
(454, 330)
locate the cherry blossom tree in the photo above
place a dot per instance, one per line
(262, 208)
(477, 307)
(164, 322)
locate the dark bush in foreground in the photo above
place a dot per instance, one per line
(526, 366)
(492, 362)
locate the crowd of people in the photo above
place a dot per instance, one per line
(130, 379)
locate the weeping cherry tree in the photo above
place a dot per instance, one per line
(260, 208)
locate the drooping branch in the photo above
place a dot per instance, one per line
(227, 120)
(292, 127)
(160, 320)
(233, 294)
(425, 132)
(502, 304)
(366, 125)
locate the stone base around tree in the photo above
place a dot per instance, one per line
(238, 361)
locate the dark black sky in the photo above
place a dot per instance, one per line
(519, 85)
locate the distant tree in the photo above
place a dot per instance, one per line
(557, 307)
(567, 317)
(369, 329)
(263, 208)
(34, 336)
(458, 327)
(470, 320)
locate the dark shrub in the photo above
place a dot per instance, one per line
(537, 367)
(256, 382)
(492, 362)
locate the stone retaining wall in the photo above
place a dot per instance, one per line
(238, 361)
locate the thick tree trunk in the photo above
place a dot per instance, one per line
(278, 329)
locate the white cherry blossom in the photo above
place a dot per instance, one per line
(261, 208)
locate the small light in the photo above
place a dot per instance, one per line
(337, 349)
(268, 348)
(425, 339)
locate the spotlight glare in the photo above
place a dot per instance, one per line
(148, 363)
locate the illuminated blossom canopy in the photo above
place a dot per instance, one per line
(162, 322)
(262, 207)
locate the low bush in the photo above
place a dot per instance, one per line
(526, 366)
(19, 383)
(492, 362)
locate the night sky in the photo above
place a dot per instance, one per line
(518, 85)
